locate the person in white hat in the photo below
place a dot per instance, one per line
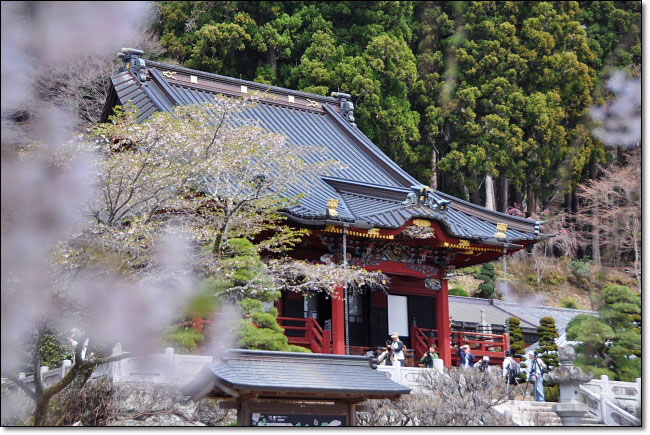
(483, 365)
(398, 349)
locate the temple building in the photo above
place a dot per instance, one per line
(372, 211)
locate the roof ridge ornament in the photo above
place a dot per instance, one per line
(332, 205)
(423, 195)
(501, 230)
(132, 62)
(347, 107)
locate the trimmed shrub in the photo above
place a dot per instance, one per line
(569, 303)
(517, 344)
(458, 291)
(184, 339)
(552, 393)
(488, 275)
(547, 348)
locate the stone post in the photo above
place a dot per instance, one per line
(44, 369)
(606, 388)
(65, 366)
(637, 404)
(169, 362)
(21, 377)
(569, 377)
(438, 365)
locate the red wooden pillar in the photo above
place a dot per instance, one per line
(338, 321)
(444, 333)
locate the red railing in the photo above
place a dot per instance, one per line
(198, 323)
(421, 339)
(492, 345)
(310, 335)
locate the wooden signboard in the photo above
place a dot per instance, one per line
(260, 419)
(293, 413)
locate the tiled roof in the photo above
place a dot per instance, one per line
(496, 312)
(463, 309)
(294, 372)
(370, 188)
(533, 313)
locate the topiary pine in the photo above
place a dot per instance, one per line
(260, 329)
(517, 344)
(488, 275)
(547, 348)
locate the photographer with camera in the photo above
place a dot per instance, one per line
(386, 355)
(397, 348)
(536, 371)
(428, 357)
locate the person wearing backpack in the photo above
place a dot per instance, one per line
(511, 371)
(483, 365)
(536, 371)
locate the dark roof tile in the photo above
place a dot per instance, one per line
(386, 184)
(266, 371)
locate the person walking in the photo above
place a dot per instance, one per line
(536, 370)
(509, 373)
(398, 349)
(428, 357)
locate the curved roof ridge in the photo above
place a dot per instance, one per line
(479, 207)
(256, 85)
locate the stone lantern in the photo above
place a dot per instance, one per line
(569, 378)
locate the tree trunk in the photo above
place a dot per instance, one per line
(567, 201)
(532, 200)
(475, 194)
(519, 199)
(637, 253)
(434, 167)
(273, 60)
(489, 193)
(503, 193)
(595, 241)
(593, 167)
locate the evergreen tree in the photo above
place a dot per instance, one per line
(488, 275)
(548, 353)
(611, 343)
(547, 350)
(517, 344)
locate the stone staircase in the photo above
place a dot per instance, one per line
(531, 413)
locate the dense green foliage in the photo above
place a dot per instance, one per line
(548, 353)
(184, 340)
(611, 343)
(488, 275)
(547, 333)
(457, 89)
(517, 344)
(569, 303)
(54, 350)
(458, 291)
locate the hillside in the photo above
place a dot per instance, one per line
(560, 285)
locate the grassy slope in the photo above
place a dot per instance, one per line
(558, 282)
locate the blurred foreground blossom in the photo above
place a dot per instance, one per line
(620, 119)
